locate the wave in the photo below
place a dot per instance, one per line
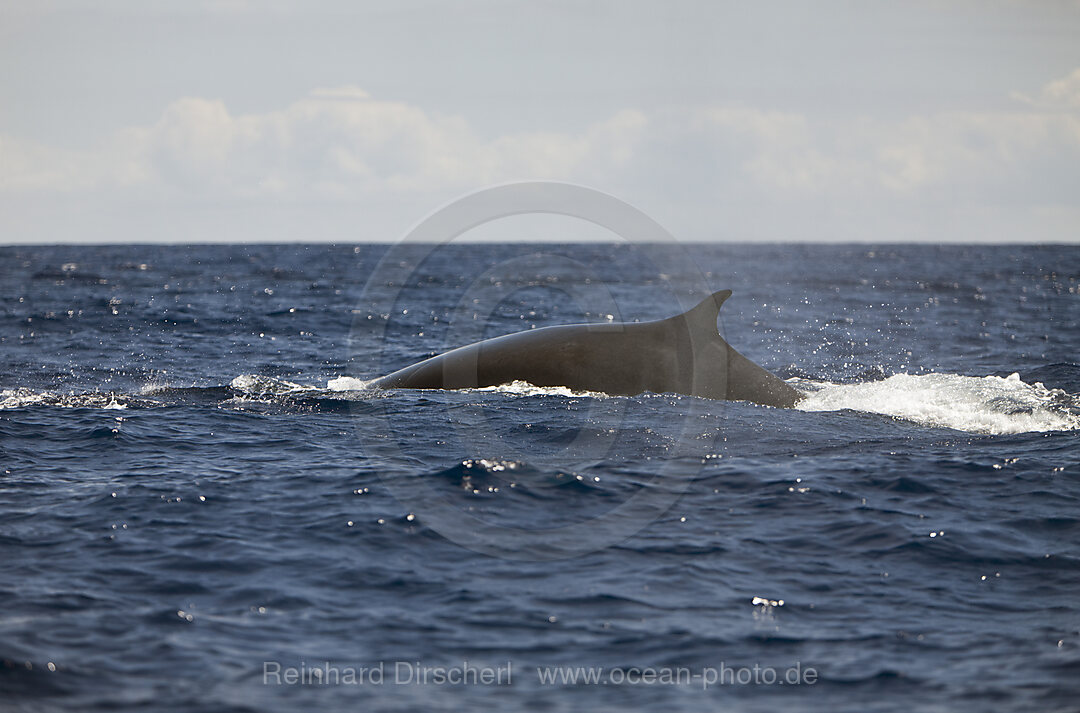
(987, 405)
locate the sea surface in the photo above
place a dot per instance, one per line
(204, 506)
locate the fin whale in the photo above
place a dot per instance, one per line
(684, 354)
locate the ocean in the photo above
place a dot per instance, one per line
(204, 507)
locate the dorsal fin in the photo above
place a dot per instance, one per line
(703, 317)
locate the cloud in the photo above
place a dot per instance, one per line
(858, 156)
(332, 143)
(784, 169)
(1064, 92)
(348, 93)
(1061, 94)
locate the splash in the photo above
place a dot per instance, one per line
(988, 404)
(23, 397)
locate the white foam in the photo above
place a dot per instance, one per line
(253, 384)
(524, 388)
(987, 404)
(514, 388)
(22, 397)
(347, 383)
(17, 398)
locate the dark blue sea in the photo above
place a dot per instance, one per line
(205, 507)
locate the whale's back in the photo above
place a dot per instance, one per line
(683, 354)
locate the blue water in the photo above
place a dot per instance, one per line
(196, 485)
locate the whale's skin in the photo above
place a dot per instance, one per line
(684, 354)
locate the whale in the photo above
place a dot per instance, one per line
(683, 354)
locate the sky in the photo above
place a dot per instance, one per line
(826, 121)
